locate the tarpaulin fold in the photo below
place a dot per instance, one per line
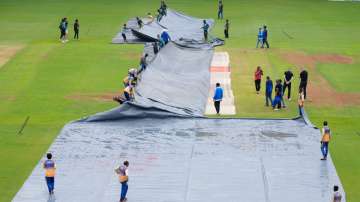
(175, 155)
(176, 82)
(178, 25)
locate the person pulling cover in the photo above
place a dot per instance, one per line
(139, 22)
(143, 62)
(163, 7)
(161, 41)
(123, 32)
(161, 11)
(165, 36)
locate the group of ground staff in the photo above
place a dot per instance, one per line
(279, 102)
(280, 88)
(64, 31)
(164, 36)
(134, 74)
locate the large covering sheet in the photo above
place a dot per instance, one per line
(193, 160)
(131, 38)
(175, 83)
(190, 159)
(178, 25)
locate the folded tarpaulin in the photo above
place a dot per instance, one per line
(178, 25)
(130, 37)
(175, 83)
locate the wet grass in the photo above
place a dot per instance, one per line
(37, 80)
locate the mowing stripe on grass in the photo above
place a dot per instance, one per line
(23, 125)
(287, 35)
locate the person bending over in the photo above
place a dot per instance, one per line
(288, 76)
(281, 87)
(165, 36)
(161, 41)
(278, 92)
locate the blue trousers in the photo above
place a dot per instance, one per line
(220, 14)
(324, 149)
(259, 41)
(277, 102)
(143, 67)
(50, 181)
(127, 96)
(124, 189)
(300, 110)
(268, 98)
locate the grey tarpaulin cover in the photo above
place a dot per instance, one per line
(193, 159)
(175, 83)
(179, 26)
(131, 38)
(175, 156)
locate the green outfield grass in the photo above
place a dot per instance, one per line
(55, 83)
(343, 78)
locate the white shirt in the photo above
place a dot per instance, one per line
(337, 196)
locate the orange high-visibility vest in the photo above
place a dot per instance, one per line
(50, 168)
(50, 172)
(123, 178)
(326, 137)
